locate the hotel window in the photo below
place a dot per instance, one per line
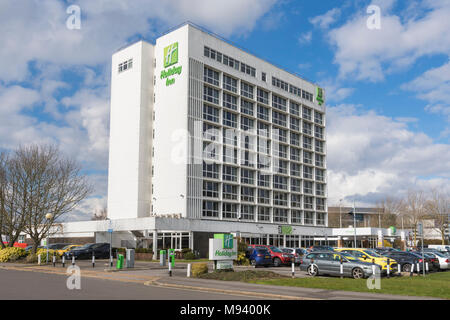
(320, 204)
(230, 137)
(307, 113)
(308, 187)
(296, 201)
(263, 145)
(247, 107)
(279, 135)
(307, 128)
(210, 209)
(246, 90)
(246, 123)
(308, 203)
(229, 83)
(263, 214)
(263, 113)
(318, 132)
(280, 215)
(320, 218)
(296, 154)
(309, 217)
(307, 157)
(280, 182)
(210, 189)
(318, 117)
(319, 146)
(296, 185)
(263, 180)
(211, 76)
(210, 132)
(308, 172)
(211, 170)
(229, 101)
(280, 199)
(247, 212)
(247, 159)
(263, 196)
(219, 57)
(125, 65)
(281, 151)
(211, 95)
(247, 194)
(307, 143)
(263, 76)
(211, 151)
(295, 139)
(229, 211)
(229, 173)
(295, 124)
(320, 175)
(295, 109)
(210, 113)
(212, 54)
(230, 192)
(296, 216)
(278, 103)
(262, 96)
(229, 155)
(279, 118)
(263, 129)
(229, 119)
(247, 176)
(320, 189)
(320, 160)
(280, 166)
(247, 141)
(296, 170)
(206, 52)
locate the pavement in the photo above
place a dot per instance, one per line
(151, 274)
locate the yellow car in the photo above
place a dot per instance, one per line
(368, 255)
(67, 248)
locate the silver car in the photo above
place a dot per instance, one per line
(326, 262)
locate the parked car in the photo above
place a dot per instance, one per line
(433, 263)
(327, 262)
(320, 248)
(278, 257)
(443, 260)
(383, 250)
(297, 252)
(370, 256)
(100, 250)
(445, 253)
(404, 259)
(259, 257)
(55, 246)
(67, 248)
(440, 247)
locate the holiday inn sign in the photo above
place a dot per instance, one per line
(222, 247)
(170, 58)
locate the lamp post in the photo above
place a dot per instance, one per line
(340, 213)
(354, 222)
(48, 216)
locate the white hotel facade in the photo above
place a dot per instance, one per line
(207, 138)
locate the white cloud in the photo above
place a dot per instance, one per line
(369, 54)
(324, 21)
(305, 38)
(371, 156)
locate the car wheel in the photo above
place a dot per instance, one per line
(357, 273)
(253, 263)
(276, 262)
(313, 270)
(406, 267)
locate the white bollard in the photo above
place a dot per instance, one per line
(418, 267)
(293, 270)
(388, 269)
(63, 261)
(412, 270)
(93, 261)
(399, 267)
(341, 269)
(426, 266)
(39, 259)
(73, 260)
(189, 270)
(170, 269)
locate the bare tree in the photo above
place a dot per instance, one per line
(415, 209)
(438, 209)
(100, 214)
(390, 209)
(48, 186)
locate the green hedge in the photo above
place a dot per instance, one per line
(11, 254)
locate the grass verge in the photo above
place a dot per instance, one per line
(244, 276)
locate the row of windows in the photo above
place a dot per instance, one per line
(247, 90)
(292, 89)
(125, 65)
(248, 212)
(226, 60)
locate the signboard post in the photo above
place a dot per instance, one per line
(223, 250)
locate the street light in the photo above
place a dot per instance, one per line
(49, 217)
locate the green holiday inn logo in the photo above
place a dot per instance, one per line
(171, 55)
(170, 58)
(319, 96)
(227, 240)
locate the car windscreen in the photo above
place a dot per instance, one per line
(67, 247)
(87, 245)
(262, 251)
(275, 249)
(349, 256)
(372, 253)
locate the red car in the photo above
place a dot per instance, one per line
(278, 257)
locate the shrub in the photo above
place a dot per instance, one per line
(143, 250)
(12, 254)
(189, 256)
(199, 268)
(33, 258)
(242, 259)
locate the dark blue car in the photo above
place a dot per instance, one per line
(259, 257)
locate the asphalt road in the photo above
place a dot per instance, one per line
(24, 285)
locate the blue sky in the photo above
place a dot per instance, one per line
(388, 89)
